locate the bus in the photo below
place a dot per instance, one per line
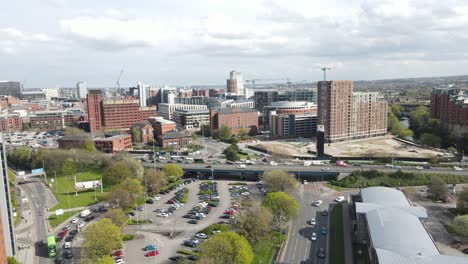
(51, 246)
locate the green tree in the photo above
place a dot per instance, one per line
(69, 167)
(232, 152)
(256, 224)
(136, 135)
(21, 158)
(106, 260)
(462, 202)
(117, 173)
(116, 215)
(88, 145)
(100, 239)
(282, 206)
(420, 121)
(395, 127)
(279, 181)
(437, 188)
(226, 247)
(137, 169)
(121, 198)
(431, 140)
(173, 172)
(73, 131)
(224, 133)
(243, 133)
(133, 186)
(154, 180)
(396, 110)
(460, 225)
(12, 260)
(194, 137)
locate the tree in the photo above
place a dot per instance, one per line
(100, 239)
(69, 167)
(431, 140)
(226, 247)
(232, 152)
(224, 132)
(194, 137)
(437, 188)
(133, 186)
(462, 202)
(173, 172)
(396, 110)
(106, 260)
(117, 173)
(282, 206)
(120, 197)
(116, 215)
(88, 145)
(136, 135)
(73, 131)
(243, 133)
(256, 224)
(137, 169)
(154, 180)
(279, 181)
(460, 225)
(12, 260)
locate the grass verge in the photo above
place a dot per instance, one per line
(184, 198)
(56, 220)
(336, 188)
(171, 185)
(336, 235)
(263, 251)
(237, 183)
(64, 189)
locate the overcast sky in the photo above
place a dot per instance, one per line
(60, 42)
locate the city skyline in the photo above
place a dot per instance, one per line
(63, 42)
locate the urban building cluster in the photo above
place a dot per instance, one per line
(450, 106)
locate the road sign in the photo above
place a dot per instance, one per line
(59, 212)
(39, 170)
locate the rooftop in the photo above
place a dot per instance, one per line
(113, 138)
(236, 110)
(176, 134)
(193, 112)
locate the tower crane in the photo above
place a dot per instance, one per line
(325, 69)
(120, 77)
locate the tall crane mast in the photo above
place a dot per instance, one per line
(325, 69)
(120, 77)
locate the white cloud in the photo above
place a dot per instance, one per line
(13, 40)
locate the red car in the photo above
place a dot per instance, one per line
(63, 233)
(230, 211)
(118, 253)
(152, 253)
(170, 202)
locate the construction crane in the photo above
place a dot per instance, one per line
(325, 69)
(120, 77)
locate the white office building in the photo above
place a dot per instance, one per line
(81, 90)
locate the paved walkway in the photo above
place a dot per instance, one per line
(26, 247)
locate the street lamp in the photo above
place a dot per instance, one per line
(212, 183)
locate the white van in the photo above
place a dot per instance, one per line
(85, 213)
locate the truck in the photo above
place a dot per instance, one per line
(313, 162)
(341, 163)
(241, 166)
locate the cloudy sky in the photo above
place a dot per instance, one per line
(187, 42)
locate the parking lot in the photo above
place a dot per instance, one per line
(33, 139)
(177, 223)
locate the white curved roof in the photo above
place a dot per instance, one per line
(384, 196)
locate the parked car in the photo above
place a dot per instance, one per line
(74, 220)
(193, 221)
(152, 253)
(201, 235)
(321, 253)
(68, 254)
(324, 230)
(67, 245)
(314, 236)
(318, 203)
(312, 221)
(117, 253)
(81, 225)
(324, 212)
(150, 247)
(339, 199)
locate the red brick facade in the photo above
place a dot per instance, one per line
(234, 118)
(450, 106)
(3, 257)
(146, 132)
(177, 139)
(113, 144)
(11, 123)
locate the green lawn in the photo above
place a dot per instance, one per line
(56, 220)
(336, 188)
(263, 251)
(12, 179)
(66, 185)
(336, 235)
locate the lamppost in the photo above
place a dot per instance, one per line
(212, 183)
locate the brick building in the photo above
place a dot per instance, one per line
(10, 123)
(146, 132)
(70, 142)
(115, 114)
(175, 139)
(234, 118)
(204, 93)
(161, 126)
(450, 106)
(293, 122)
(113, 144)
(350, 116)
(50, 119)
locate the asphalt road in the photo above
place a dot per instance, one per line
(40, 198)
(301, 168)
